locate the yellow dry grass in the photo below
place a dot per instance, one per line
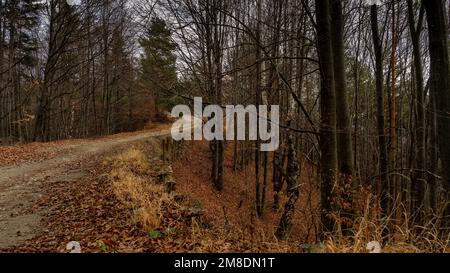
(406, 239)
(137, 191)
(131, 159)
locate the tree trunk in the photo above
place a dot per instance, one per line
(392, 148)
(419, 178)
(328, 145)
(292, 176)
(259, 204)
(383, 160)
(440, 85)
(343, 126)
(432, 166)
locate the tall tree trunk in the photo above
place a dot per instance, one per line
(106, 87)
(292, 176)
(217, 37)
(43, 100)
(440, 85)
(328, 142)
(274, 90)
(392, 148)
(343, 127)
(383, 160)
(432, 166)
(259, 204)
(419, 178)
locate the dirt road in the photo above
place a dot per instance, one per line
(20, 185)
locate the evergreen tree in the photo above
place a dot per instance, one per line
(23, 19)
(158, 60)
(20, 22)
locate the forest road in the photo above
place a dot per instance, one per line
(20, 185)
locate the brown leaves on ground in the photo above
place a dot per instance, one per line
(12, 155)
(119, 206)
(85, 211)
(233, 211)
(91, 211)
(22, 153)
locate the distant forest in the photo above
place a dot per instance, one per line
(77, 70)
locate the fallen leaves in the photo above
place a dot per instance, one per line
(20, 153)
(88, 211)
(12, 155)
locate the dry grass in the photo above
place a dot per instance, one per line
(405, 239)
(132, 159)
(179, 223)
(137, 190)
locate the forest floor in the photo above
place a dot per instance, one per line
(236, 226)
